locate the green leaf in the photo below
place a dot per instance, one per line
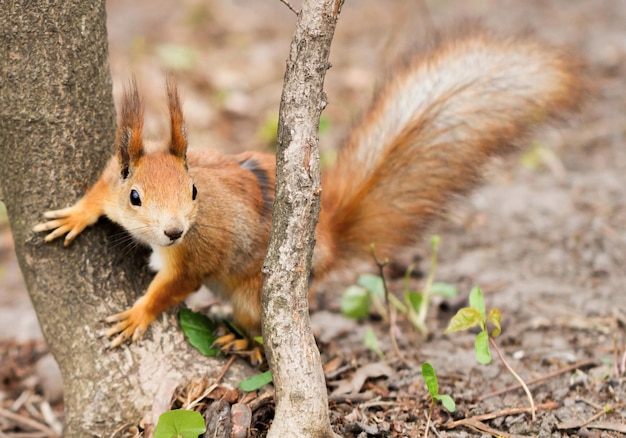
(200, 331)
(430, 378)
(481, 348)
(414, 299)
(355, 302)
(494, 318)
(371, 341)
(258, 339)
(255, 382)
(372, 283)
(477, 301)
(428, 373)
(180, 423)
(445, 290)
(447, 402)
(465, 318)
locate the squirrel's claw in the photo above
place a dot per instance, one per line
(119, 340)
(69, 221)
(130, 325)
(230, 344)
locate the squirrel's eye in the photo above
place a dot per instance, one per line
(134, 198)
(194, 193)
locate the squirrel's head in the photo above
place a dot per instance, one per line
(157, 195)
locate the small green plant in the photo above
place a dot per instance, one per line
(357, 299)
(430, 378)
(476, 315)
(370, 291)
(419, 302)
(255, 382)
(371, 341)
(180, 423)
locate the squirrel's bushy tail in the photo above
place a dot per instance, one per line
(430, 131)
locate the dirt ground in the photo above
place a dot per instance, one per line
(545, 237)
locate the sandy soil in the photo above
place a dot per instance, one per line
(545, 238)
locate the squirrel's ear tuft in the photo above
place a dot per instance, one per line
(178, 141)
(129, 142)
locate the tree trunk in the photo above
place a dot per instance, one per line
(301, 398)
(57, 126)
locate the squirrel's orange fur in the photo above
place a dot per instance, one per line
(430, 131)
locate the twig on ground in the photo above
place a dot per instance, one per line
(589, 423)
(576, 366)
(261, 400)
(25, 421)
(512, 411)
(482, 427)
(379, 403)
(602, 425)
(352, 398)
(190, 404)
(605, 410)
(212, 387)
(434, 430)
(517, 377)
(50, 418)
(221, 375)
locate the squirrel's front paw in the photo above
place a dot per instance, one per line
(70, 221)
(131, 324)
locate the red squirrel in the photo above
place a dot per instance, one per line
(432, 127)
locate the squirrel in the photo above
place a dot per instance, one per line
(434, 124)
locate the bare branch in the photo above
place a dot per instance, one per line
(301, 397)
(286, 2)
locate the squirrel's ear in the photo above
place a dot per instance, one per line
(178, 141)
(129, 142)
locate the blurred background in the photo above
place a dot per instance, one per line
(567, 225)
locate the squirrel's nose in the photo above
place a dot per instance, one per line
(173, 234)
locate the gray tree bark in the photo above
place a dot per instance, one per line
(57, 127)
(301, 398)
